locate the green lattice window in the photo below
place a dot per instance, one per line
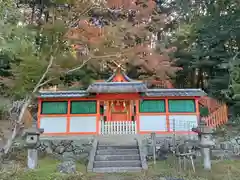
(83, 107)
(54, 107)
(181, 106)
(152, 106)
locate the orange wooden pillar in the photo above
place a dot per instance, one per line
(68, 116)
(130, 106)
(98, 118)
(137, 116)
(167, 115)
(39, 112)
(108, 111)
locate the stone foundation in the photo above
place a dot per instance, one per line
(77, 150)
(164, 143)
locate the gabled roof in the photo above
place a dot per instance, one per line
(119, 82)
(119, 74)
(122, 87)
(117, 87)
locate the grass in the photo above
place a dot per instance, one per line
(224, 170)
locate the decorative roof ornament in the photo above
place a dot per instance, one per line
(119, 74)
(119, 66)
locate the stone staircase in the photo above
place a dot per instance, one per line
(117, 156)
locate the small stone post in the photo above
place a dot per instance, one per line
(31, 136)
(205, 143)
(153, 137)
(32, 158)
(174, 136)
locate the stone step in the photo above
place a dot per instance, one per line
(117, 152)
(117, 143)
(117, 169)
(117, 140)
(132, 163)
(101, 147)
(116, 157)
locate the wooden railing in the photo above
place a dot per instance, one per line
(218, 117)
(118, 127)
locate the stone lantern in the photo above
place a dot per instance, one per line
(31, 137)
(206, 142)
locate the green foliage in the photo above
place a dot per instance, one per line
(28, 50)
(207, 40)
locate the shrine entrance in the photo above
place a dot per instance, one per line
(118, 117)
(118, 98)
(119, 110)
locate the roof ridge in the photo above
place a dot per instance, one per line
(131, 82)
(71, 91)
(173, 89)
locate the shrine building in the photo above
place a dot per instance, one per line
(118, 105)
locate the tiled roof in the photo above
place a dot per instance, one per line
(122, 87)
(117, 87)
(55, 94)
(175, 92)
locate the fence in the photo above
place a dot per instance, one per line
(118, 127)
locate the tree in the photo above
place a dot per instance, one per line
(40, 56)
(206, 42)
(233, 92)
(129, 29)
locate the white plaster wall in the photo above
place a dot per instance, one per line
(183, 122)
(83, 124)
(153, 123)
(53, 124)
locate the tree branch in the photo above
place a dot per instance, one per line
(44, 75)
(86, 10)
(77, 68)
(67, 72)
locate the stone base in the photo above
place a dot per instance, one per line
(78, 147)
(66, 150)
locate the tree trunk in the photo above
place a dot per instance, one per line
(33, 12)
(192, 77)
(17, 126)
(199, 78)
